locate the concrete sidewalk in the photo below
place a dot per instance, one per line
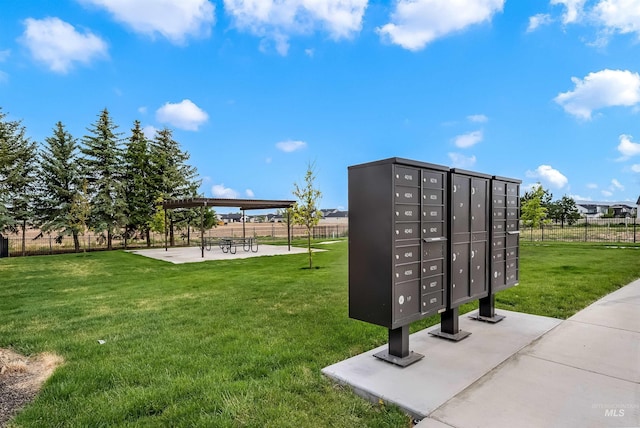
(526, 371)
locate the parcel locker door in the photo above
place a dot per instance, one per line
(460, 200)
(459, 272)
(478, 284)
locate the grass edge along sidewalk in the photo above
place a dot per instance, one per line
(233, 343)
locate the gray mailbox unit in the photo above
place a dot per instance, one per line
(397, 247)
(425, 239)
(470, 225)
(505, 241)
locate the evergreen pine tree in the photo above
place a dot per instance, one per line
(172, 177)
(60, 186)
(102, 167)
(17, 177)
(138, 191)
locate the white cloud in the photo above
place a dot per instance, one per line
(580, 198)
(635, 167)
(268, 160)
(278, 20)
(219, 191)
(4, 54)
(620, 16)
(606, 193)
(142, 110)
(291, 146)
(184, 115)
(615, 184)
(627, 147)
(250, 193)
(574, 10)
(415, 23)
(601, 89)
(538, 20)
(549, 176)
(173, 19)
(309, 52)
(478, 118)
(58, 45)
(592, 186)
(468, 140)
(149, 131)
(458, 160)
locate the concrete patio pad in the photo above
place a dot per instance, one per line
(179, 255)
(525, 371)
(447, 368)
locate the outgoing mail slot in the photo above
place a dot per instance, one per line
(432, 213)
(407, 231)
(407, 176)
(433, 250)
(432, 267)
(407, 254)
(406, 212)
(432, 302)
(432, 180)
(432, 197)
(432, 230)
(407, 272)
(432, 283)
(407, 195)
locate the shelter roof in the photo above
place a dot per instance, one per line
(243, 204)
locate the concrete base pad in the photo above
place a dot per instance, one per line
(447, 368)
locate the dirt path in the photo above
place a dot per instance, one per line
(21, 378)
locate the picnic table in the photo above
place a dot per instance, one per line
(230, 245)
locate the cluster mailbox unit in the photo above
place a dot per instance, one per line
(424, 239)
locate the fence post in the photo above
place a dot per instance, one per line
(635, 220)
(542, 230)
(586, 224)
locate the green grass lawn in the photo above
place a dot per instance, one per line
(232, 343)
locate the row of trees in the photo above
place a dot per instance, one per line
(538, 208)
(102, 182)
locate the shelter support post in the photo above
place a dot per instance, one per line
(165, 230)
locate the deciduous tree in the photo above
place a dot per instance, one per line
(305, 211)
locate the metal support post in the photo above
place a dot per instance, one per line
(398, 352)
(449, 326)
(487, 310)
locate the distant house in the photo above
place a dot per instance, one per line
(335, 216)
(593, 209)
(231, 218)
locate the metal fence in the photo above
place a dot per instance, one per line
(37, 243)
(585, 230)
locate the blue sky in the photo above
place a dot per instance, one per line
(543, 91)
